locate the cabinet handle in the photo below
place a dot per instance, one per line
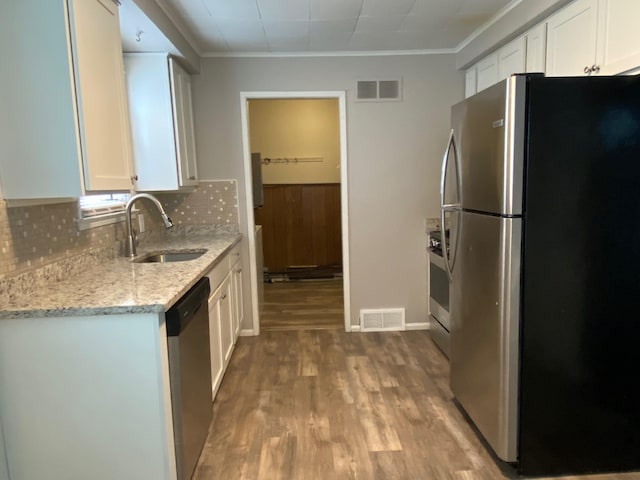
(224, 297)
(595, 69)
(587, 70)
(134, 178)
(192, 177)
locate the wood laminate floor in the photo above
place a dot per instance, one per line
(304, 304)
(330, 405)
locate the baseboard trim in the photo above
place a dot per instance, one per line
(417, 326)
(247, 332)
(355, 328)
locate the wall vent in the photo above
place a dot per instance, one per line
(378, 90)
(380, 320)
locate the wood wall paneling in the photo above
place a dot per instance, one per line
(301, 226)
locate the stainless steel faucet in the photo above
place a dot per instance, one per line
(130, 247)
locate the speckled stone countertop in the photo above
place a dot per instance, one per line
(120, 286)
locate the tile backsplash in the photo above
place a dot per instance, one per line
(35, 236)
(210, 203)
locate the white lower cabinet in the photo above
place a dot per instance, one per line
(226, 320)
(236, 291)
(225, 313)
(238, 310)
(217, 362)
(4, 468)
(86, 397)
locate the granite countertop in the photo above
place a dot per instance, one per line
(120, 286)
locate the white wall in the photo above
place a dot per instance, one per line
(394, 154)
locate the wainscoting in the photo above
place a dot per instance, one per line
(301, 226)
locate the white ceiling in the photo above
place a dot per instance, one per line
(315, 26)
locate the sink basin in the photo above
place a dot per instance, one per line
(173, 256)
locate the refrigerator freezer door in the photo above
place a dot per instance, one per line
(489, 129)
(485, 328)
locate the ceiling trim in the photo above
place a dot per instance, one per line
(476, 33)
(373, 53)
(180, 25)
(195, 44)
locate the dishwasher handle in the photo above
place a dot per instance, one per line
(179, 316)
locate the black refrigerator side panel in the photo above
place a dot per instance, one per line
(580, 332)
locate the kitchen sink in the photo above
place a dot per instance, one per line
(171, 256)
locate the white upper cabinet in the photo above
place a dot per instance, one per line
(618, 37)
(496, 67)
(586, 37)
(183, 119)
(470, 82)
(100, 90)
(536, 45)
(511, 58)
(571, 39)
(487, 73)
(63, 99)
(159, 93)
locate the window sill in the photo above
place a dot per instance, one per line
(101, 220)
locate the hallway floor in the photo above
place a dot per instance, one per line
(303, 304)
(329, 405)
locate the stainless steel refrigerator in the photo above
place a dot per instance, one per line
(541, 189)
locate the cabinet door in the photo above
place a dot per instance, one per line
(487, 71)
(152, 126)
(101, 97)
(536, 49)
(237, 300)
(226, 320)
(217, 361)
(4, 468)
(470, 82)
(183, 119)
(511, 58)
(571, 39)
(39, 140)
(618, 39)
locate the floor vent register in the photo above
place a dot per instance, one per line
(380, 320)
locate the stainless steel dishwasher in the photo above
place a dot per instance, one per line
(190, 375)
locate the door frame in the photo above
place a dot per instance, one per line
(248, 189)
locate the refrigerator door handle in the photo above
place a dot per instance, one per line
(451, 145)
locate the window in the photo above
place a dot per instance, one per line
(97, 210)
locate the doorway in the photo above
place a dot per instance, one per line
(304, 212)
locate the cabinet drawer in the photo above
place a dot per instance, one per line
(218, 273)
(234, 255)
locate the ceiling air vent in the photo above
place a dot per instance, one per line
(378, 90)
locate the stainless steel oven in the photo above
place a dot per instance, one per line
(438, 293)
